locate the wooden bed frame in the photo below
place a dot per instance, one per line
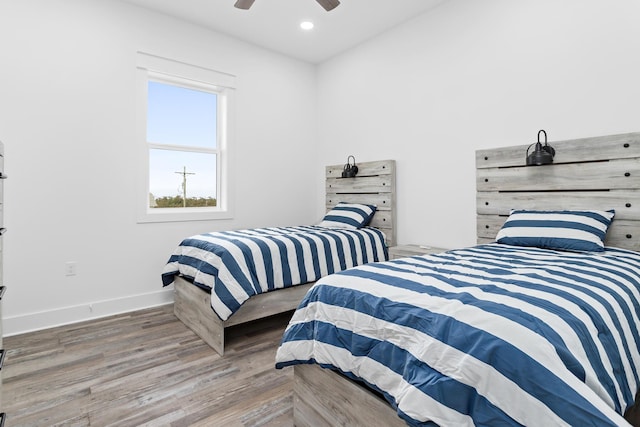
(374, 184)
(590, 173)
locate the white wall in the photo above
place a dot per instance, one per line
(468, 75)
(477, 74)
(67, 119)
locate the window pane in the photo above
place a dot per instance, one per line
(180, 116)
(172, 173)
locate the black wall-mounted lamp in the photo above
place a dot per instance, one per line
(349, 170)
(542, 154)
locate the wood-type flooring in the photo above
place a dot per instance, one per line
(146, 368)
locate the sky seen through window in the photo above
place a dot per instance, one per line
(186, 118)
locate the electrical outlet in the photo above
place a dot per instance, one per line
(70, 268)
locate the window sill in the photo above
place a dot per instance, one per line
(182, 214)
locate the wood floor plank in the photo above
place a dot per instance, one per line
(146, 369)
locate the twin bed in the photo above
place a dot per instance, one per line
(541, 327)
(276, 266)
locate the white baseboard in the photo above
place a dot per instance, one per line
(67, 315)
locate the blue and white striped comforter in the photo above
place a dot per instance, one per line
(491, 335)
(236, 265)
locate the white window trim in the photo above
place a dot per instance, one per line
(166, 70)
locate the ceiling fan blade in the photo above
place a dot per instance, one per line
(328, 4)
(244, 4)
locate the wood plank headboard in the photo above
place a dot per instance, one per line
(588, 173)
(375, 184)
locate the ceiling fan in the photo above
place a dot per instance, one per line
(327, 4)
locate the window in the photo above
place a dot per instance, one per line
(182, 139)
(183, 115)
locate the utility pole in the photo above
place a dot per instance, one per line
(184, 174)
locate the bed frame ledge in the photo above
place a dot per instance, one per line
(192, 306)
(324, 397)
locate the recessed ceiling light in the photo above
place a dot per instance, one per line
(306, 25)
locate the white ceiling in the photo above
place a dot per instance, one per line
(274, 24)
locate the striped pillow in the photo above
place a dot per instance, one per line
(348, 215)
(577, 231)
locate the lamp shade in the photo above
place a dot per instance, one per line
(349, 170)
(542, 154)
